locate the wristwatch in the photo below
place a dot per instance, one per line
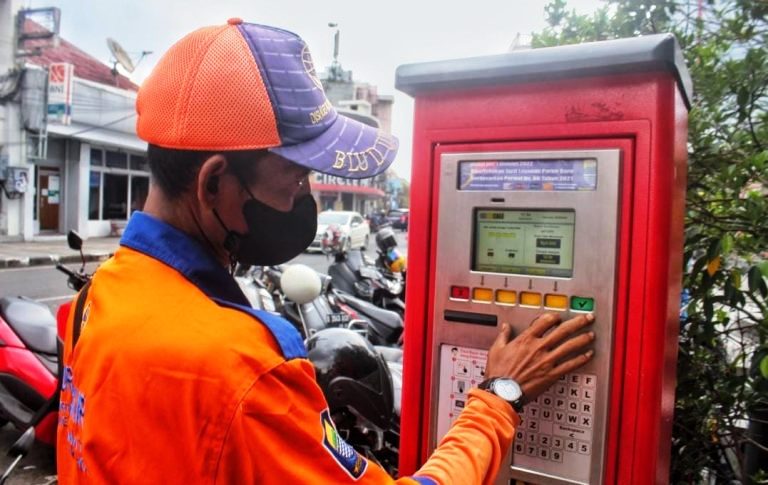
(505, 388)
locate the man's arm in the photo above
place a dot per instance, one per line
(281, 430)
(280, 434)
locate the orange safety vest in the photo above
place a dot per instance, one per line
(174, 379)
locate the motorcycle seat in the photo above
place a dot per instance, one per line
(32, 322)
(387, 317)
(390, 354)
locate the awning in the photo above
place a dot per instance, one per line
(98, 136)
(348, 189)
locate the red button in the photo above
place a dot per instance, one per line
(460, 292)
(235, 21)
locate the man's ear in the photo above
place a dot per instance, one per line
(208, 179)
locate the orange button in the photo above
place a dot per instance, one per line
(558, 302)
(529, 298)
(506, 297)
(482, 294)
(235, 21)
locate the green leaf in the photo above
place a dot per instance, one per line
(714, 249)
(763, 268)
(727, 243)
(755, 280)
(764, 367)
(735, 279)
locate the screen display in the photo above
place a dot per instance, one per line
(525, 242)
(528, 175)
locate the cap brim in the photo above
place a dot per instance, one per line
(347, 149)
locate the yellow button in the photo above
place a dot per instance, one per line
(559, 302)
(482, 294)
(528, 298)
(506, 297)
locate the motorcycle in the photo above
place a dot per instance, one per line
(389, 259)
(362, 382)
(352, 273)
(30, 369)
(309, 301)
(363, 393)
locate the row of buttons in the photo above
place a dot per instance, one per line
(548, 447)
(553, 442)
(527, 298)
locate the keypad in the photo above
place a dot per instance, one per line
(560, 421)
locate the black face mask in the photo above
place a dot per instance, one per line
(273, 237)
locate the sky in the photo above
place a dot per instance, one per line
(376, 37)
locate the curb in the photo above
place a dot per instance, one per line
(51, 259)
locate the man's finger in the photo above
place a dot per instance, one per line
(572, 364)
(572, 345)
(504, 335)
(543, 323)
(567, 328)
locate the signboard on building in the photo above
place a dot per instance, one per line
(61, 77)
(322, 178)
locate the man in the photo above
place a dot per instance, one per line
(169, 376)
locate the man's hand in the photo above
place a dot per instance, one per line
(535, 360)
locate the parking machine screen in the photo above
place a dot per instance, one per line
(524, 242)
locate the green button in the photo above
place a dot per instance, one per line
(581, 304)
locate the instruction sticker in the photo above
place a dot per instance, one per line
(528, 175)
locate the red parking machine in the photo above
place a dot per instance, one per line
(550, 180)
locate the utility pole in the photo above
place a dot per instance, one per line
(335, 71)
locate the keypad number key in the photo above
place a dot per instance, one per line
(519, 448)
(557, 443)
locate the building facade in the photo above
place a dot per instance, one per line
(88, 171)
(362, 102)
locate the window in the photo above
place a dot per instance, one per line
(139, 163)
(139, 190)
(115, 196)
(94, 195)
(118, 184)
(117, 159)
(97, 157)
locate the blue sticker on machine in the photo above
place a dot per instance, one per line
(346, 456)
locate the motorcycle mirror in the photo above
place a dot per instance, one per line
(300, 283)
(74, 241)
(22, 445)
(18, 451)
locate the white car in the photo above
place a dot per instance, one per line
(355, 231)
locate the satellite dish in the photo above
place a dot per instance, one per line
(121, 57)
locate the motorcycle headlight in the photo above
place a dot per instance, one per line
(395, 287)
(364, 289)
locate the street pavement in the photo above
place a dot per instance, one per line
(53, 249)
(27, 269)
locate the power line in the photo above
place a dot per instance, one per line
(91, 128)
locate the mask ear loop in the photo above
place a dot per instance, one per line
(231, 243)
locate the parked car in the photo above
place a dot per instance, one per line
(355, 232)
(398, 218)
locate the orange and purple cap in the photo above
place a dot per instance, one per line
(245, 86)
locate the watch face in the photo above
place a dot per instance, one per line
(507, 389)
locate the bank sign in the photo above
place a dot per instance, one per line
(60, 81)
